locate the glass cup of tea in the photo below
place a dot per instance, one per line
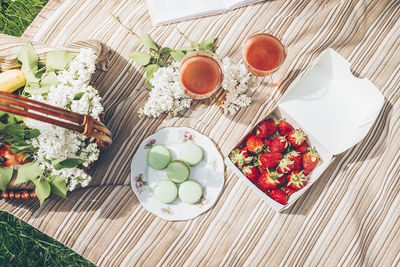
(200, 74)
(263, 53)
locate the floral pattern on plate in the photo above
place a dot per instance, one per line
(187, 136)
(167, 210)
(150, 143)
(140, 184)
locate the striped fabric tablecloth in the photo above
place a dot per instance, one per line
(350, 217)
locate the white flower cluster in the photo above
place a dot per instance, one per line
(55, 143)
(167, 95)
(236, 83)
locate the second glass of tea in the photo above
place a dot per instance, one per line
(200, 74)
(263, 53)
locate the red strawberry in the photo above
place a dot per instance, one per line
(254, 144)
(279, 196)
(310, 160)
(269, 180)
(279, 144)
(297, 137)
(288, 190)
(285, 166)
(296, 158)
(10, 158)
(296, 179)
(240, 157)
(270, 159)
(251, 173)
(266, 128)
(261, 169)
(284, 127)
(268, 143)
(302, 148)
(282, 180)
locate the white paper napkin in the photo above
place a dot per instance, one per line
(169, 11)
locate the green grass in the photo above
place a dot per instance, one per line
(16, 15)
(21, 244)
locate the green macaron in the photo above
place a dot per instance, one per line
(178, 171)
(191, 153)
(190, 191)
(165, 191)
(158, 157)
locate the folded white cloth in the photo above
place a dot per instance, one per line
(169, 11)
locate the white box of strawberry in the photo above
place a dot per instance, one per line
(324, 112)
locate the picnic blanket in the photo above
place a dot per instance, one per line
(350, 217)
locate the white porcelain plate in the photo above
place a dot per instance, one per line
(209, 173)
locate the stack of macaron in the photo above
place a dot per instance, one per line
(178, 172)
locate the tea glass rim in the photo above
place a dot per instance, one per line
(212, 55)
(273, 33)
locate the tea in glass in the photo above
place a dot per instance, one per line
(200, 74)
(263, 53)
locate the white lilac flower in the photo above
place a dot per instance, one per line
(74, 93)
(236, 80)
(167, 96)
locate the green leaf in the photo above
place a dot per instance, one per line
(27, 156)
(40, 71)
(15, 130)
(32, 77)
(22, 146)
(58, 186)
(28, 58)
(208, 44)
(5, 177)
(79, 95)
(3, 113)
(150, 70)
(67, 163)
(149, 86)
(42, 189)
(165, 50)
(48, 80)
(190, 48)
(33, 133)
(28, 172)
(19, 118)
(148, 42)
(177, 54)
(11, 118)
(58, 60)
(141, 58)
(35, 88)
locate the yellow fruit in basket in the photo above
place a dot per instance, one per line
(11, 80)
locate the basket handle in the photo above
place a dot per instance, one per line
(81, 123)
